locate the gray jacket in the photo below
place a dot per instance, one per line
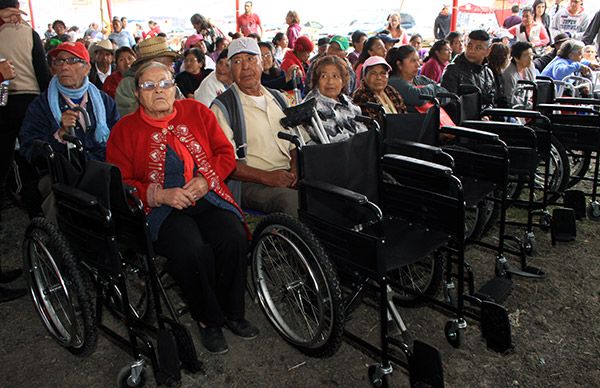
(511, 76)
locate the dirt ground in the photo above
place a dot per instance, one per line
(555, 327)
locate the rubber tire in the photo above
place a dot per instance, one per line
(325, 268)
(432, 288)
(186, 349)
(124, 375)
(454, 335)
(561, 185)
(77, 282)
(579, 170)
(489, 212)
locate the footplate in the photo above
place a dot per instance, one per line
(495, 327)
(495, 290)
(425, 366)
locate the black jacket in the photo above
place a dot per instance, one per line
(543, 61)
(441, 26)
(95, 79)
(461, 71)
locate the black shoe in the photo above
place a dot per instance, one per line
(243, 328)
(10, 276)
(8, 294)
(214, 340)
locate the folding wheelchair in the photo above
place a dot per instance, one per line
(98, 259)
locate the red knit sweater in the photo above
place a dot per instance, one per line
(135, 147)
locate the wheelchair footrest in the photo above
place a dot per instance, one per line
(495, 290)
(168, 359)
(563, 227)
(495, 327)
(425, 366)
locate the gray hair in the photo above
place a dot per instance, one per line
(148, 66)
(568, 47)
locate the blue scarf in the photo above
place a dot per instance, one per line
(102, 131)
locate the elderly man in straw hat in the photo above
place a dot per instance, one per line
(103, 64)
(152, 49)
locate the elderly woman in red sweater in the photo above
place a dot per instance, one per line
(177, 157)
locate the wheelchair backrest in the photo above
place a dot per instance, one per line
(417, 127)
(423, 193)
(351, 164)
(470, 106)
(106, 223)
(544, 92)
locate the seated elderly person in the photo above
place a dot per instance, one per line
(568, 60)
(195, 72)
(374, 88)
(249, 114)
(151, 49)
(177, 157)
(272, 75)
(216, 82)
(329, 87)
(520, 68)
(52, 114)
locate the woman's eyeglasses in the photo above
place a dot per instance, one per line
(162, 84)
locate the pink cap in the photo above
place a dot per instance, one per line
(374, 61)
(192, 40)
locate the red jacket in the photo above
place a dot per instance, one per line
(290, 59)
(138, 149)
(111, 83)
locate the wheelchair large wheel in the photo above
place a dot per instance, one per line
(60, 290)
(579, 164)
(417, 281)
(297, 285)
(559, 172)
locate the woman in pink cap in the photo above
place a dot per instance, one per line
(374, 88)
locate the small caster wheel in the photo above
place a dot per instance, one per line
(129, 377)
(593, 211)
(380, 377)
(455, 332)
(529, 244)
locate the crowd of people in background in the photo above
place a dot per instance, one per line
(238, 85)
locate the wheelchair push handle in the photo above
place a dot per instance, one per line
(291, 138)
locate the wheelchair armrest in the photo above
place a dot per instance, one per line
(527, 114)
(470, 133)
(449, 95)
(577, 101)
(568, 108)
(414, 149)
(369, 122)
(349, 195)
(406, 162)
(345, 194)
(525, 82)
(80, 197)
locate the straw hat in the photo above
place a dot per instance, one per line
(151, 48)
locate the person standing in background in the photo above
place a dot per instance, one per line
(249, 22)
(513, 19)
(593, 31)
(293, 32)
(27, 55)
(120, 36)
(572, 20)
(441, 26)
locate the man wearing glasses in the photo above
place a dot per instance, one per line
(572, 20)
(249, 114)
(469, 68)
(57, 111)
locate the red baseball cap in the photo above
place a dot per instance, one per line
(75, 48)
